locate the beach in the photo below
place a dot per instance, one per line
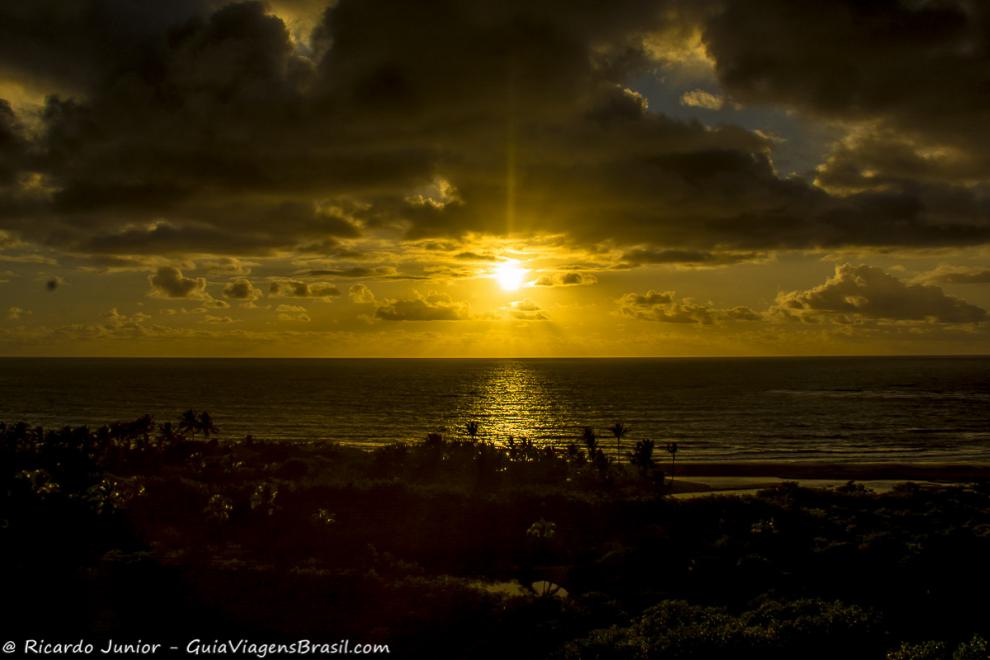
(698, 478)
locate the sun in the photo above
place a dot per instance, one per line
(509, 275)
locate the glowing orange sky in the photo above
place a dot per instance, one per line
(491, 178)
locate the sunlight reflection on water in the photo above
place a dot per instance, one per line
(514, 402)
(771, 409)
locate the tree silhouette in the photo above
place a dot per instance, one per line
(205, 425)
(188, 423)
(590, 441)
(619, 430)
(472, 430)
(642, 456)
(589, 437)
(167, 435)
(672, 450)
(595, 455)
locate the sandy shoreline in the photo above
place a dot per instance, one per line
(692, 479)
(825, 470)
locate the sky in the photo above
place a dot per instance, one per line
(455, 178)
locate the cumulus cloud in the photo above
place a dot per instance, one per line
(956, 275)
(169, 282)
(361, 294)
(869, 292)
(883, 159)
(296, 313)
(17, 313)
(431, 307)
(665, 307)
(566, 279)
(850, 60)
(399, 125)
(740, 313)
(699, 98)
(527, 310)
(884, 70)
(300, 289)
(118, 325)
(213, 319)
(208, 302)
(242, 289)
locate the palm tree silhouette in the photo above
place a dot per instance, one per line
(167, 435)
(188, 423)
(205, 424)
(619, 430)
(472, 430)
(590, 441)
(672, 450)
(642, 455)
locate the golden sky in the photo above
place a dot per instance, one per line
(494, 178)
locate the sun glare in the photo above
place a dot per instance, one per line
(510, 275)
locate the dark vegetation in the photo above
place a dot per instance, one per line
(465, 549)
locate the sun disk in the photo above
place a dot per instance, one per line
(510, 275)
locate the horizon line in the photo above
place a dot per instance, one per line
(499, 357)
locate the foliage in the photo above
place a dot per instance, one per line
(476, 547)
(805, 628)
(975, 648)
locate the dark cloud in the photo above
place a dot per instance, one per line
(224, 266)
(956, 275)
(566, 279)
(649, 299)
(432, 307)
(912, 76)
(921, 64)
(241, 289)
(199, 127)
(869, 292)
(353, 271)
(641, 256)
(13, 144)
(168, 281)
(76, 45)
(885, 160)
(204, 156)
(665, 307)
(299, 289)
(475, 256)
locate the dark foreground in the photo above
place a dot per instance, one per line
(466, 550)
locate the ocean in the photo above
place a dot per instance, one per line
(918, 409)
